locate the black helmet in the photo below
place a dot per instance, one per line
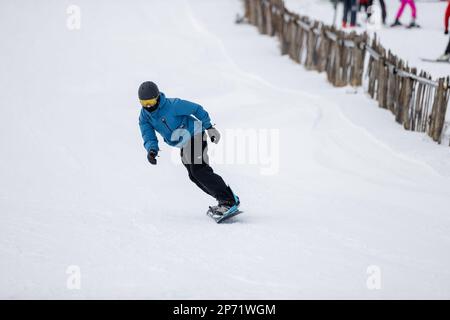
(148, 90)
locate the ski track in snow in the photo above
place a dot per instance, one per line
(346, 196)
(302, 95)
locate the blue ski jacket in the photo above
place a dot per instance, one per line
(176, 120)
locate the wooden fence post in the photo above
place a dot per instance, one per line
(261, 16)
(293, 29)
(406, 90)
(323, 51)
(382, 79)
(331, 67)
(346, 58)
(269, 20)
(302, 38)
(438, 112)
(339, 61)
(247, 9)
(392, 87)
(252, 12)
(358, 61)
(296, 44)
(311, 47)
(279, 20)
(286, 34)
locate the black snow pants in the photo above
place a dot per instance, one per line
(194, 156)
(350, 9)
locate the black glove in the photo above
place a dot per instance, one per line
(151, 156)
(446, 32)
(213, 134)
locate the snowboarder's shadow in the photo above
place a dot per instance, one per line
(232, 221)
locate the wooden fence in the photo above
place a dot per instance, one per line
(417, 102)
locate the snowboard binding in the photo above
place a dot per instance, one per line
(224, 211)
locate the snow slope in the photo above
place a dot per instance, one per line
(352, 190)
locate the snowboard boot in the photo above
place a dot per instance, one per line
(413, 24)
(444, 57)
(396, 23)
(225, 207)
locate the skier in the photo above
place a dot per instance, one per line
(446, 17)
(364, 4)
(368, 4)
(350, 8)
(446, 55)
(182, 124)
(413, 23)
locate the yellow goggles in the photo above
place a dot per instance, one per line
(149, 102)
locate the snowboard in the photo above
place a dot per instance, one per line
(224, 217)
(434, 60)
(407, 26)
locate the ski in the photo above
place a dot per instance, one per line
(434, 60)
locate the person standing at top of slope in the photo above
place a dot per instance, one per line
(183, 124)
(350, 9)
(413, 23)
(446, 17)
(446, 55)
(368, 8)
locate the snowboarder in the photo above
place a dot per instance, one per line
(183, 124)
(413, 23)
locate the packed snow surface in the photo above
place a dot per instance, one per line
(343, 199)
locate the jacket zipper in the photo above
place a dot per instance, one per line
(164, 121)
